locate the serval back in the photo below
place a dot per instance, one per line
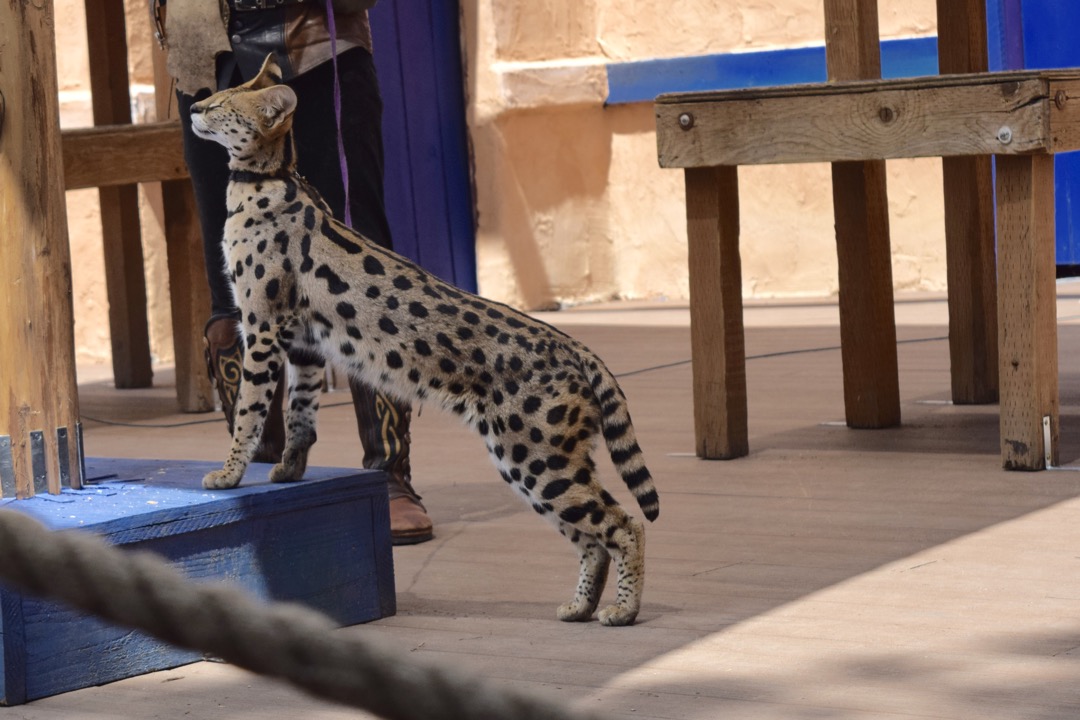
(312, 290)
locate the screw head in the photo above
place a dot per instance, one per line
(887, 115)
(1061, 98)
(1004, 135)
(686, 121)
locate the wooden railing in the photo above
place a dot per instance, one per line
(39, 415)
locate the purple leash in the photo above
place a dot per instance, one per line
(337, 108)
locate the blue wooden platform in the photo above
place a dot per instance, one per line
(323, 542)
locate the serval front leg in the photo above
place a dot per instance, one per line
(306, 373)
(263, 365)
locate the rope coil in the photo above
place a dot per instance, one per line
(290, 642)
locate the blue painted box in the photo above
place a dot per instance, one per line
(323, 542)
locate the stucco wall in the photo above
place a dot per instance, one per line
(92, 341)
(572, 206)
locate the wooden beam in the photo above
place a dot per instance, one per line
(969, 223)
(852, 45)
(972, 279)
(124, 273)
(38, 392)
(1064, 104)
(189, 291)
(943, 116)
(962, 47)
(716, 313)
(1027, 311)
(123, 155)
(864, 256)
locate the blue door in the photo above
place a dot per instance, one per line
(1038, 34)
(428, 178)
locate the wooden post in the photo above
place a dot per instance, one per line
(716, 312)
(860, 204)
(969, 223)
(189, 292)
(39, 404)
(1027, 311)
(124, 273)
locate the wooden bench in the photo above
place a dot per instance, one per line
(1021, 118)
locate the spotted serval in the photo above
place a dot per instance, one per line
(311, 290)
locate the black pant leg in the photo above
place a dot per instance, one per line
(315, 132)
(208, 163)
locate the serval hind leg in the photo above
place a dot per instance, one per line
(594, 571)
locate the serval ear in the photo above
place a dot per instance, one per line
(277, 104)
(269, 75)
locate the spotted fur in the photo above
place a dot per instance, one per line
(312, 290)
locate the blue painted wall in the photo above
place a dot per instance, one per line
(1036, 34)
(428, 177)
(642, 81)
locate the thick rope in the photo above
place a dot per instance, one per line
(290, 642)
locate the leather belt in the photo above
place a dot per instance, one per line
(248, 5)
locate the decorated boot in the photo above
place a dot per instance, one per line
(384, 433)
(225, 364)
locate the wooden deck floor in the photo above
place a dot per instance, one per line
(833, 573)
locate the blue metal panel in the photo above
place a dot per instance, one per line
(1036, 34)
(642, 81)
(1049, 41)
(428, 178)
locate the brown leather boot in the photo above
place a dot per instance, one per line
(384, 433)
(225, 364)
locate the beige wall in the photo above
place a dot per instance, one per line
(84, 221)
(572, 206)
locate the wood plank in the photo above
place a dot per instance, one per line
(861, 208)
(1027, 315)
(852, 48)
(962, 47)
(123, 154)
(121, 234)
(867, 321)
(1064, 94)
(972, 279)
(969, 223)
(37, 347)
(719, 354)
(874, 85)
(879, 122)
(189, 293)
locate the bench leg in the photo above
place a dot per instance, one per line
(716, 313)
(189, 294)
(867, 319)
(969, 249)
(1027, 310)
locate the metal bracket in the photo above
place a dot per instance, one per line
(37, 462)
(7, 468)
(81, 454)
(63, 456)
(1048, 448)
